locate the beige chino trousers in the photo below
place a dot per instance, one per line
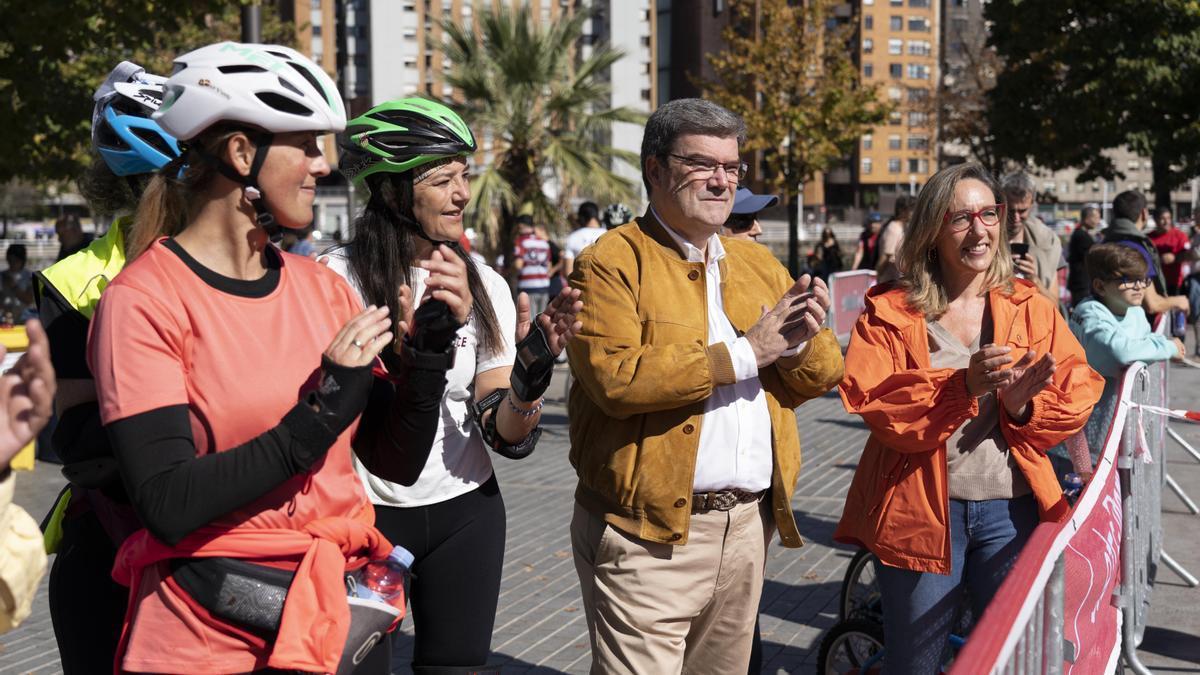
(658, 609)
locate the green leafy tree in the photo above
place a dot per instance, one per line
(789, 74)
(1084, 76)
(54, 54)
(546, 112)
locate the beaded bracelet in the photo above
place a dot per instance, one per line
(526, 413)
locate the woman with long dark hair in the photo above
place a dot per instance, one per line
(445, 505)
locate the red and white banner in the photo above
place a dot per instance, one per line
(1092, 570)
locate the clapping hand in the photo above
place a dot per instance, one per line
(797, 317)
(984, 372)
(26, 395)
(559, 321)
(1028, 379)
(448, 281)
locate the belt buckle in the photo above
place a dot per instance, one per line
(723, 501)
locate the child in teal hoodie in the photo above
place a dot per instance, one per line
(1113, 329)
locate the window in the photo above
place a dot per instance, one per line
(866, 165)
(894, 165)
(918, 3)
(868, 22)
(896, 3)
(868, 70)
(919, 48)
(918, 118)
(867, 141)
(919, 24)
(895, 46)
(868, 45)
(894, 142)
(917, 95)
(894, 93)
(1133, 165)
(918, 142)
(918, 166)
(895, 118)
(896, 23)
(868, 3)
(896, 70)
(917, 71)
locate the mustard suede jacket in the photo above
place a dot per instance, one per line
(643, 369)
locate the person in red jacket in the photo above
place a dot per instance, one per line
(1172, 244)
(965, 376)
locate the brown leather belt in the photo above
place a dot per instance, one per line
(723, 500)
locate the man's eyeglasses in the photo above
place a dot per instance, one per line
(740, 222)
(990, 216)
(1127, 284)
(704, 168)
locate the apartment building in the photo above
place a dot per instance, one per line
(899, 50)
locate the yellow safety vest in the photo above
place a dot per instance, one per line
(80, 278)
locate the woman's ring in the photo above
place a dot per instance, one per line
(358, 344)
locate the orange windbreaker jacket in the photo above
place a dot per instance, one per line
(898, 504)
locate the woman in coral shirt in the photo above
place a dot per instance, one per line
(965, 376)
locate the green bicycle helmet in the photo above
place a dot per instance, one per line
(397, 136)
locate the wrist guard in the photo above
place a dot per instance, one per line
(341, 394)
(492, 438)
(434, 327)
(533, 367)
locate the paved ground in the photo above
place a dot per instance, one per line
(540, 626)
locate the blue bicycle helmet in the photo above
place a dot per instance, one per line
(122, 132)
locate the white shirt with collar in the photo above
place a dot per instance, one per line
(735, 435)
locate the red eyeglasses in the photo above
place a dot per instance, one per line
(990, 216)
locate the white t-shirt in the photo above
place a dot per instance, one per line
(581, 239)
(458, 461)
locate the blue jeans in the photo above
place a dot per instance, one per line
(919, 608)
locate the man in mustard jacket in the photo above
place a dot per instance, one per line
(694, 351)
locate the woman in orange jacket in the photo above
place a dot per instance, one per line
(965, 376)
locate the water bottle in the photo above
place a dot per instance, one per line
(383, 580)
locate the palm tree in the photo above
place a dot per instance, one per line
(546, 113)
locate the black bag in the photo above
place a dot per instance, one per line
(251, 597)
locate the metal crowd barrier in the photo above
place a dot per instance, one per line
(1078, 597)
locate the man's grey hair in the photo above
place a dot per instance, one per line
(687, 116)
(1087, 211)
(1018, 184)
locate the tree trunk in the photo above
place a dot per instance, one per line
(793, 258)
(1161, 168)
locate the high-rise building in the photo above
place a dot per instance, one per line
(898, 49)
(317, 37)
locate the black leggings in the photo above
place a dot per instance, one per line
(459, 549)
(87, 607)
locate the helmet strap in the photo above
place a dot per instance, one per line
(262, 215)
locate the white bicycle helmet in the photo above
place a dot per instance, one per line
(268, 88)
(273, 88)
